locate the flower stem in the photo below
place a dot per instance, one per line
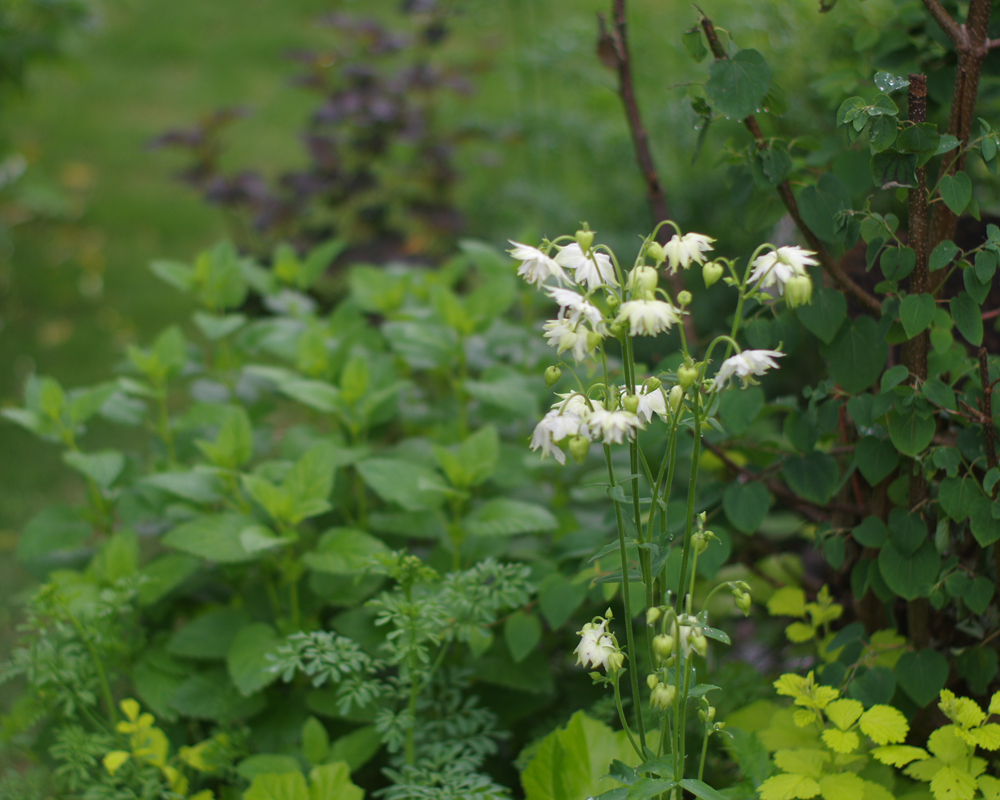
(621, 716)
(692, 485)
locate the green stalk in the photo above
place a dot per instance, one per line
(692, 485)
(102, 676)
(704, 750)
(621, 716)
(629, 636)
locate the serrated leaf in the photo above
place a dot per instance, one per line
(899, 755)
(953, 784)
(884, 725)
(841, 741)
(788, 787)
(788, 601)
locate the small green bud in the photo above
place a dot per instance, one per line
(686, 374)
(609, 614)
(707, 715)
(653, 614)
(593, 340)
(798, 291)
(616, 661)
(618, 329)
(552, 376)
(700, 542)
(684, 298)
(613, 301)
(630, 403)
(643, 280)
(585, 238)
(652, 681)
(711, 272)
(652, 384)
(743, 601)
(655, 252)
(676, 395)
(663, 696)
(663, 645)
(699, 644)
(579, 446)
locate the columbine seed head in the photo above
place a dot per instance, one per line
(747, 365)
(579, 446)
(552, 376)
(676, 396)
(686, 375)
(682, 251)
(684, 298)
(655, 251)
(663, 645)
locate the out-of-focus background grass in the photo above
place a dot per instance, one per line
(98, 205)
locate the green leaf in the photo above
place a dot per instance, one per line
(910, 432)
(700, 789)
(218, 326)
(117, 557)
(942, 255)
(737, 86)
(956, 191)
(812, 476)
(877, 685)
(215, 538)
(968, 318)
(410, 485)
(746, 505)
(310, 481)
(916, 313)
(211, 695)
(939, 393)
(956, 496)
(824, 316)
(892, 377)
(233, 445)
(897, 262)
(357, 748)
(693, 45)
(344, 551)
(922, 675)
(922, 139)
(893, 169)
(738, 408)
(909, 576)
(522, 632)
(820, 204)
(208, 636)
(267, 764)
(801, 430)
(985, 527)
(978, 665)
(857, 355)
(318, 261)
(907, 531)
(473, 462)
(315, 741)
(986, 266)
(559, 597)
(198, 486)
(876, 458)
(977, 289)
(284, 786)
(979, 594)
(504, 517)
(164, 574)
(176, 273)
(246, 657)
(56, 537)
(333, 781)
(872, 532)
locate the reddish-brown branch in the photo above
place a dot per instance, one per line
(944, 20)
(830, 264)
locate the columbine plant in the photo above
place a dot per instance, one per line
(601, 309)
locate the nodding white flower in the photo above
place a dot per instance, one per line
(572, 403)
(573, 336)
(780, 266)
(574, 306)
(593, 270)
(648, 317)
(650, 402)
(747, 364)
(611, 427)
(596, 646)
(536, 267)
(683, 251)
(553, 428)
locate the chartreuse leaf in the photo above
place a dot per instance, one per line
(951, 783)
(841, 786)
(899, 755)
(884, 725)
(788, 601)
(989, 786)
(841, 741)
(333, 780)
(844, 713)
(788, 787)
(275, 786)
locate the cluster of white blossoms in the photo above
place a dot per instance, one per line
(597, 647)
(784, 270)
(746, 366)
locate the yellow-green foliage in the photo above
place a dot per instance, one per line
(952, 768)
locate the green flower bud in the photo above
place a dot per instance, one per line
(798, 291)
(579, 446)
(642, 280)
(663, 645)
(707, 715)
(593, 340)
(652, 681)
(613, 301)
(684, 298)
(655, 252)
(675, 397)
(630, 403)
(585, 238)
(652, 385)
(663, 696)
(552, 376)
(700, 541)
(743, 601)
(711, 272)
(699, 644)
(653, 615)
(616, 661)
(686, 374)
(618, 329)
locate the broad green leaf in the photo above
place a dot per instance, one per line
(952, 783)
(956, 191)
(737, 86)
(195, 485)
(738, 408)
(315, 741)
(968, 317)
(210, 695)
(274, 786)
(506, 517)
(986, 266)
(872, 532)
(884, 725)
(746, 505)
(176, 273)
(876, 458)
(892, 169)
(344, 551)
(844, 713)
(356, 748)
(899, 755)
(788, 601)
(267, 764)
(218, 326)
(246, 657)
(164, 574)
(408, 484)
(978, 665)
(559, 597)
(801, 430)
(788, 787)
(472, 462)
(857, 355)
(939, 393)
(208, 636)
(824, 316)
(117, 557)
(233, 446)
(309, 482)
(318, 260)
(979, 594)
(522, 632)
(985, 527)
(922, 139)
(909, 576)
(693, 45)
(897, 262)
(819, 205)
(915, 313)
(942, 255)
(956, 496)
(841, 786)
(907, 531)
(813, 476)
(911, 433)
(55, 538)
(922, 675)
(215, 538)
(333, 781)
(700, 789)
(977, 289)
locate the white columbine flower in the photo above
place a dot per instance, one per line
(584, 267)
(553, 428)
(779, 266)
(573, 336)
(536, 267)
(682, 251)
(650, 402)
(648, 317)
(573, 306)
(611, 427)
(747, 364)
(596, 646)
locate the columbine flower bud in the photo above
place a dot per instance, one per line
(798, 291)
(676, 395)
(585, 238)
(652, 384)
(613, 301)
(707, 715)
(653, 615)
(663, 696)
(655, 252)
(593, 339)
(642, 280)
(652, 681)
(618, 329)
(699, 644)
(552, 376)
(711, 272)
(700, 541)
(684, 298)
(663, 645)
(579, 446)
(686, 374)
(630, 403)
(616, 661)
(743, 601)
